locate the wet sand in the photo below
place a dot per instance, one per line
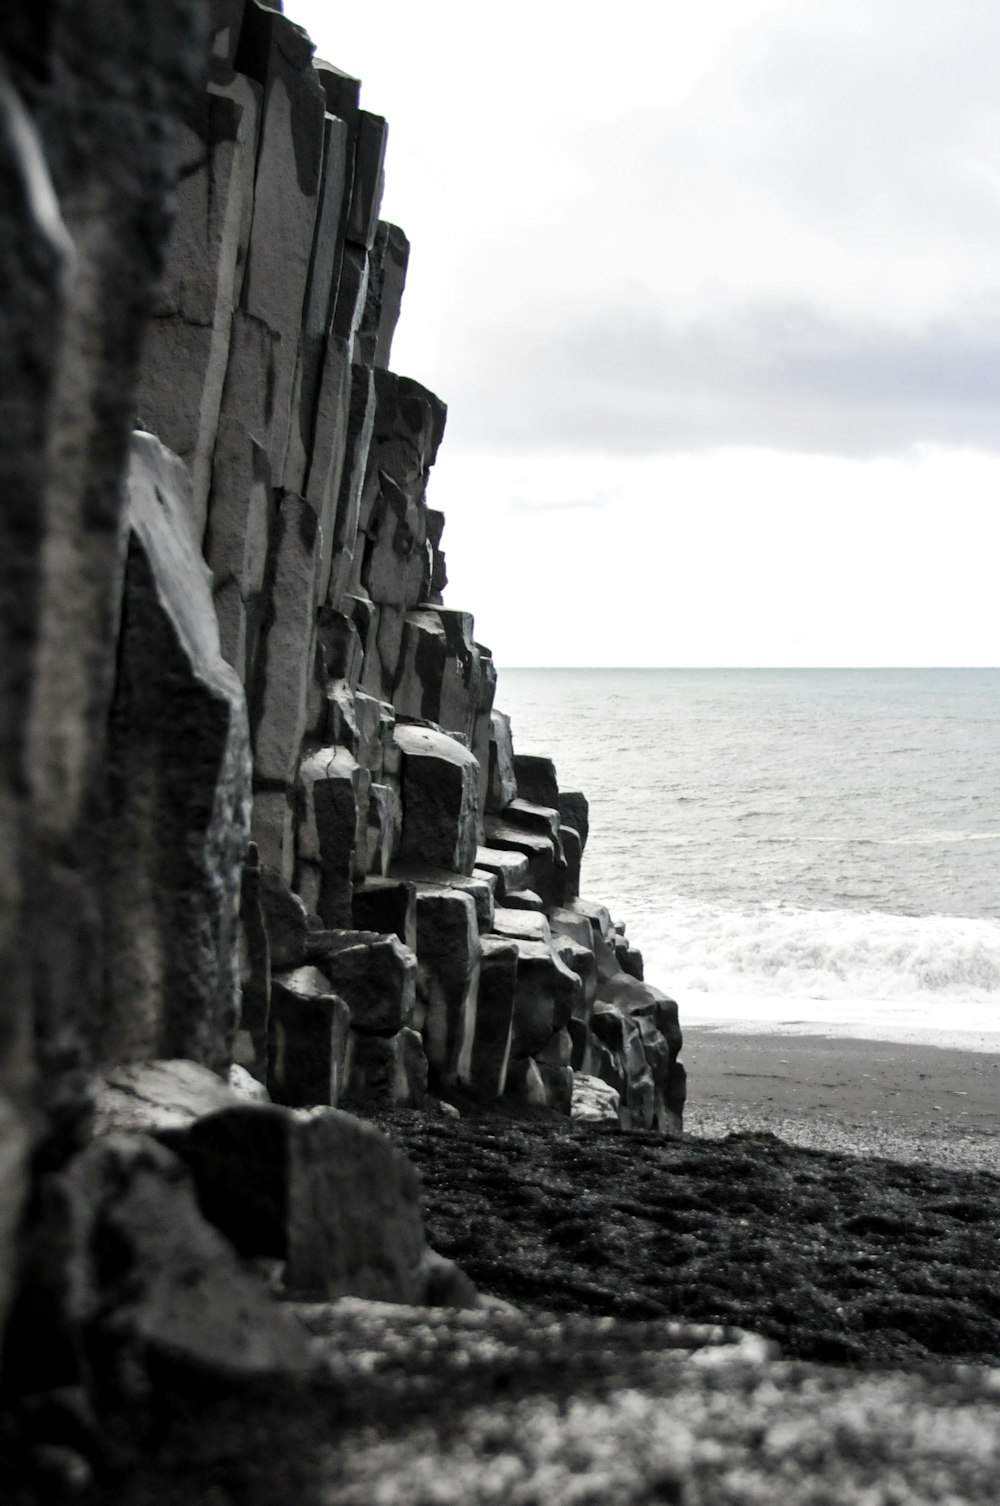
(904, 1101)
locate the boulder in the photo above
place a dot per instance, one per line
(547, 992)
(448, 953)
(440, 788)
(125, 1273)
(178, 782)
(308, 1031)
(593, 1101)
(245, 1085)
(326, 1193)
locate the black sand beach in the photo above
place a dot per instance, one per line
(907, 1102)
(839, 1197)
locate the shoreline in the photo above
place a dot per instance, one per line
(903, 1100)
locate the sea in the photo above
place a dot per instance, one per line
(792, 850)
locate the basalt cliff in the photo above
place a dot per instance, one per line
(273, 876)
(267, 847)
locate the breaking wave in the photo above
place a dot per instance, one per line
(819, 954)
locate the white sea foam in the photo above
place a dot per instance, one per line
(861, 971)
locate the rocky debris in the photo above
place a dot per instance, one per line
(594, 1101)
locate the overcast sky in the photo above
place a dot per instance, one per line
(713, 296)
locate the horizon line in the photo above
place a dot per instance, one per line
(810, 668)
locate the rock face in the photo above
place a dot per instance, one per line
(227, 624)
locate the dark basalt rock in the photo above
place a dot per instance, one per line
(307, 1039)
(178, 783)
(536, 779)
(156, 963)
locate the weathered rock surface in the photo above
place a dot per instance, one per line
(178, 784)
(440, 784)
(307, 1039)
(324, 1192)
(142, 1098)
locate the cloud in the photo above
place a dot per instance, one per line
(574, 504)
(776, 375)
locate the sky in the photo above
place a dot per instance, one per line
(713, 296)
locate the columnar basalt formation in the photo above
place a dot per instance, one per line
(259, 815)
(383, 780)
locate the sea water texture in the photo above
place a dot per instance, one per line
(793, 850)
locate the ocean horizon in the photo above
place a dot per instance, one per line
(792, 849)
